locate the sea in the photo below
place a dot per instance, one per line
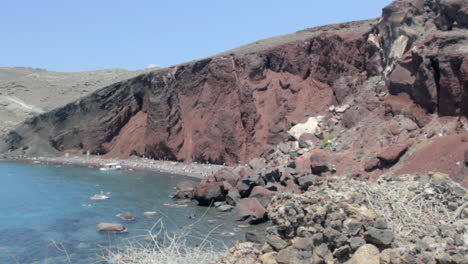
(47, 216)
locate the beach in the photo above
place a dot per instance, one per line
(195, 170)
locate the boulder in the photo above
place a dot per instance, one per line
(310, 127)
(292, 187)
(379, 237)
(273, 175)
(303, 243)
(262, 194)
(356, 242)
(248, 182)
(306, 181)
(207, 193)
(251, 211)
(342, 253)
(111, 228)
(322, 254)
(227, 176)
(366, 254)
(352, 226)
(392, 154)
(232, 196)
(276, 242)
(380, 223)
(371, 164)
(319, 162)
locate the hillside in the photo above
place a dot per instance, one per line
(25, 92)
(385, 95)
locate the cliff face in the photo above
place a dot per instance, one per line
(232, 107)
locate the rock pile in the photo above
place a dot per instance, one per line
(416, 220)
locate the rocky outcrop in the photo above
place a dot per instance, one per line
(424, 43)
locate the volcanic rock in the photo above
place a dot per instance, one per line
(276, 242)
(319, 162)
(371, 164)
(378, 236)
(392, 154)
(306, 181)
(207, 193)
(251, 211)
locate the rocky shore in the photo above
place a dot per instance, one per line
(195, 170)
(406, 219)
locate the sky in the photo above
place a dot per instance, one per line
(80, 35)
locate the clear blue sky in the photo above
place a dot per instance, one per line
(76, 35)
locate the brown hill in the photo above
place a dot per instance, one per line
(25, 92)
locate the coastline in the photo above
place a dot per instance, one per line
(193, 170)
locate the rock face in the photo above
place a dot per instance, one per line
(223, 109)
(427, 40)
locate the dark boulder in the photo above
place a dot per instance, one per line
(207, 193)
(371, 164)
(379, 237)
(306, 181)
(392, 154)
(251, 211)
(319, 162)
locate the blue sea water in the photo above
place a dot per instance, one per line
(46, 213)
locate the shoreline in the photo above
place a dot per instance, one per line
(192, 170)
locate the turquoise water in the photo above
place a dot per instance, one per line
(45, 207)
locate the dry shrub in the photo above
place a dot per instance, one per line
(410, 207)
(164, 247)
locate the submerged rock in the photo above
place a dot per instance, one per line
(111, 228)
(126, 216)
